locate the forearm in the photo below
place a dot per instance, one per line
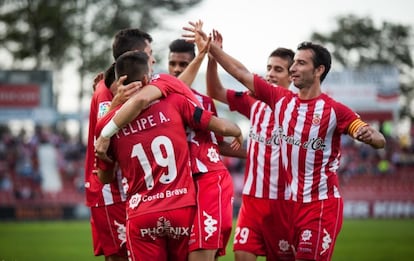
(214, 87)
(131, 109)
(190, 73)
(224, 127)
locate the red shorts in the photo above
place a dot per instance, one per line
(160, 236)
(316, 227)
(214, 217)
(108, 230)
(263, 228)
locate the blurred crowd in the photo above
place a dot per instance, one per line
(20, 174)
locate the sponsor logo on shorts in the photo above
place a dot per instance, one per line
(306, 235)
(306, 246)
(210, 225)
(121, 230)
(284, 245)
(304, 250)
(326, 241)
(164, 229)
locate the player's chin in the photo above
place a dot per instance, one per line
(271, 81)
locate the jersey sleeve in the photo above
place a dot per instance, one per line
(168, 84)
(103, 99)
(345, 117)
(194, 116)
(240, 102)
(99, 106)
(268, 93)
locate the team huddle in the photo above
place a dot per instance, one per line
(155, 182)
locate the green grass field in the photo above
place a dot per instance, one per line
(359, 240)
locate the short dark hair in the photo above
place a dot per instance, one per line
(284, 53)
(129, 39)
(321, 56)
(133, 64)
(182, 46)
(109, 75)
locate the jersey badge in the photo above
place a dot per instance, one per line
(316, 119)
(103, 108)
(213, 155)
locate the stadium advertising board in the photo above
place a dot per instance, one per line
(378, 209)
(26, 95)
(374, 90)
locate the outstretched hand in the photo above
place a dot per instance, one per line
(217, 38)
(195, 34)
(205, 48)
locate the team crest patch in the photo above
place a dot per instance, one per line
(103, 108)
(316, 119)
(213, 155)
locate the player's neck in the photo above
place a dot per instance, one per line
(310, 92)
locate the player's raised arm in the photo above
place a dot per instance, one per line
(190, 72)
(215, 88)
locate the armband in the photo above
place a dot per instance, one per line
(110, 129)
(355, 125)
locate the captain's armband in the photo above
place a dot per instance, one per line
(354, 127)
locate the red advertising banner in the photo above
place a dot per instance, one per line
(19, 96)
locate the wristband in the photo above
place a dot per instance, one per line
(110, 129)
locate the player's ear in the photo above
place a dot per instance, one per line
(145, 80)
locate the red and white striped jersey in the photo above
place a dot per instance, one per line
(262, 178)
(309, 133)
(96, 193)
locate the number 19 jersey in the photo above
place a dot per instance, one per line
(152, 151)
